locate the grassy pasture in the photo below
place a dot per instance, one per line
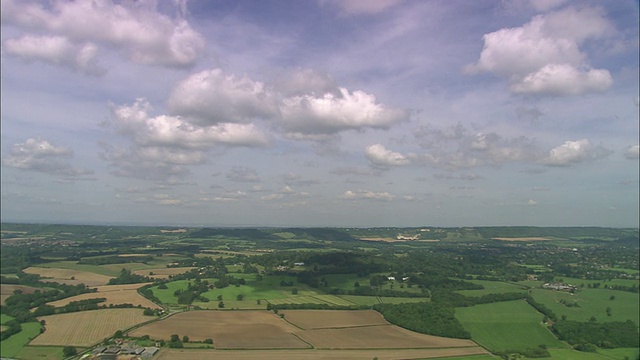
(509, 325)
(40, 353)
(613, 354)
(492, 287)
(400, 300)
(166, 295)
(621, 353)
(592, 302)
(361, 300)
(12, 346)
(86, 328)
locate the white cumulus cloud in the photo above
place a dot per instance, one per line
(633, 152)
(163, 130)
(40, 155)
(544, 56)
(366, 194)
(330, 113)
(381, 156)
(162, 147)
(56, 50)
(572, 152)
(138, 29)
(210, 97)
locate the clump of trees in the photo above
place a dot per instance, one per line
(126, 277)
(431, 318)
(604, 335)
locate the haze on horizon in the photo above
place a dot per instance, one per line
(320, 113)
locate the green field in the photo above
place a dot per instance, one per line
(4, 318)
(11, 346)
(510, 325)
(603, 283)
(592, 302)
(492, 287)
(40, 353)
(613, 354)
(166, 295)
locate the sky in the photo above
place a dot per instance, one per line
(320, 112)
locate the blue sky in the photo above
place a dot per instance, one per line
(320, 113)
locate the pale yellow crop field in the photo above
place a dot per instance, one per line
(229, 329)
(86, 328)
(114, 294)
(69, 276)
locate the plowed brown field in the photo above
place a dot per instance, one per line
(324, 319)
(335, 330)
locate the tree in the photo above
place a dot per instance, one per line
(221, 304)
(185, 339)
(69, 351)
(294, 291)
(174, 338)
(220, 297)
(240, 297)
(118, 334)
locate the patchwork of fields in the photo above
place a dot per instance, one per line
(355, 331)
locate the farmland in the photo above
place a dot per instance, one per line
(382, 354)
(113, 295)
(7, 290)
(69, 276)
(313, 329)
(507, 325)
(230, 330)
(87, 327)
(317, 293)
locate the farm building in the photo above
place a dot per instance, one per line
(559, 286)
